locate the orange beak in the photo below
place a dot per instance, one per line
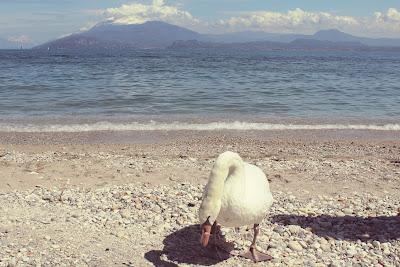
(205, 233)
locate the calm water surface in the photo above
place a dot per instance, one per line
(201, 84)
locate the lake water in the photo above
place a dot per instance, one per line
(165, 89)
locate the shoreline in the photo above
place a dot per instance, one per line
(211, 125)
(165, 136)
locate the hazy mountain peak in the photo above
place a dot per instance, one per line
(144, 25)
(334, 35)
(159, 34)
(151, 34)
(158, 26)
(329, 31)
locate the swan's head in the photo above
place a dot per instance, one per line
(208, 213)
(205, 233)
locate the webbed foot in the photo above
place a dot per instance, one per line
(256, 255)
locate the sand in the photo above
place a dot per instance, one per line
(305, 165)
(316, 161)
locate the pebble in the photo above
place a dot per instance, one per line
(315, 245)
(347, 211)
(296, 246)
(139, 218)
(125, 213)
(340, 214)
(294, 229)
(376, 244)
(351, 251)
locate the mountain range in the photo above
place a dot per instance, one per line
(161, 35)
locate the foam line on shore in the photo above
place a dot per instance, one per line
(177, 126)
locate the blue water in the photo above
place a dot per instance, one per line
(201, 84)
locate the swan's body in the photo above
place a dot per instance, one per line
(237, 194)
(246, 198)
(239, 189)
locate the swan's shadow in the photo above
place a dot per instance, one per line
(183, 246)
(381, 228)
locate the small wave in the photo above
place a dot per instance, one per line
(178, 126)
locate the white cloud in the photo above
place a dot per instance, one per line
(383, 24)
(157, 10)
(296, 20)
(392, 15)
(379, 24)
(21, 39)
(301, 21)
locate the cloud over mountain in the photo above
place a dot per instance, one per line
(284, 22)
(293, 21)
(392, 15)
(301, 21)
(139, 13)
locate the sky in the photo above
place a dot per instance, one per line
(32, 22)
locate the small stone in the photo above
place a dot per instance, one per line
(303, 244)
(294, 229)
(340, 214)
(348, 211)
(376, 244)
(351, 251)
(12, 262)
(315, 245)
(279, 229)
(120, 234)
(385, 246)
(325, 246)
(294, 245)
(125, 213)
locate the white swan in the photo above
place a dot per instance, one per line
(237, 194)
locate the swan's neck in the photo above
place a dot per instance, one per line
(229, 165)
(220, 173)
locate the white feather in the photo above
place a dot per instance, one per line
(237, 193)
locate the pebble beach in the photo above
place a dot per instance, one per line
(92, 200)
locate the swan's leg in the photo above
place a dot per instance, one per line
(215, 234)
(220, 251)
(215, 230)
(253, 253)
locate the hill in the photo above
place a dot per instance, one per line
(153, 34)
(160, 35)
